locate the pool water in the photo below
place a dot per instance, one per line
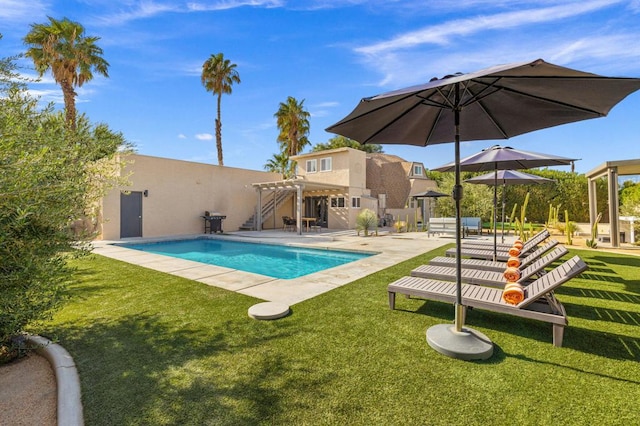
(272, 260)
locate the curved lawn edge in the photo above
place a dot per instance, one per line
(69, 404)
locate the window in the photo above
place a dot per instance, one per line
(312, 166)
(337, 201)
(325, 164)
(417, 170)
(355, 202)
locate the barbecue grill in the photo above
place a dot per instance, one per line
(213, 222)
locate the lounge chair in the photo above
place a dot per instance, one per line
(487, 253)
(528, 245)
(539, 300)
(490, 265)
(489, 278)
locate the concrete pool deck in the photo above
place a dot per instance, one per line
(392, 248)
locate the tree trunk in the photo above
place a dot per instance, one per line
(69, 104)
(219, 133)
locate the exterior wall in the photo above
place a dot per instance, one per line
(348, 168)
(179, 192)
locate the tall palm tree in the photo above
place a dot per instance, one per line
(280, 163)
(293, 122)
(62, 47)
(218, 75)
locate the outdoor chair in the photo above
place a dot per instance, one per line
(488, 245)
(490, 265)
(490, 278)
(539, 301)
(288, 223)
(487, 253)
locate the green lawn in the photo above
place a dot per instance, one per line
(156, 349)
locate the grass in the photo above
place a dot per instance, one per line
(156, 349)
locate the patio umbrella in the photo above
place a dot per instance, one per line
(504, 178)
(495, 103)
(429, 194)
(500, 158)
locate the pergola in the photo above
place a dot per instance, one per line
(611, 169)
(299, 185)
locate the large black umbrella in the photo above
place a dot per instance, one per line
(495, 103)
(500, 158)
(429, 195)
(504, 178)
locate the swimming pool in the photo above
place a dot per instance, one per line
(277, 261)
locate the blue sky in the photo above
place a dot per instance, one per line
(331, 53)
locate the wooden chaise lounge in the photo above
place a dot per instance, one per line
(490, 278)
(487, 253)
(490, 265)
(539, 302)
(488, 244)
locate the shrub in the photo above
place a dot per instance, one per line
(366, 220)
(50, 175)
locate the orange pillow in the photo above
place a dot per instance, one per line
(518, 244)
(513, 293)
(514, 252)
(513, 262)
(512, 274)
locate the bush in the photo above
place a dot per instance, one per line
(49, 176)
(366, 220)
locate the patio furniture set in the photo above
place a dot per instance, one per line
(483, 280)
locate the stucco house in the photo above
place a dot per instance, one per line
(169, 197)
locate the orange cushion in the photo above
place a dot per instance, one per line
(512, 274)
(514, 252)
(513, 262)
(513, 293)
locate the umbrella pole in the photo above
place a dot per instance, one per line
(504, 188)
(457, 196)
(456, 342)
(495, 213)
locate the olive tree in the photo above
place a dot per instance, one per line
(50, 176)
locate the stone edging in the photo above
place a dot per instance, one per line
(67, 380)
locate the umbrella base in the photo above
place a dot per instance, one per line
(467, 344)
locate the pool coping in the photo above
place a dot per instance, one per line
(391, 249)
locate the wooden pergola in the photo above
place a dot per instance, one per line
(298, 185)
(611, 169)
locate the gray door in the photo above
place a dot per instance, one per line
(130, 214)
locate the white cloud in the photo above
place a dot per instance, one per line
(328, 104)
(447, 48)
(142, 10)
(181, 136)
(204, 136)
(442, 34)
(19, 10)
(232, 4)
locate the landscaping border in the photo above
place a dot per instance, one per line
(69, 403)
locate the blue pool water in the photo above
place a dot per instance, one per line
(276, 261)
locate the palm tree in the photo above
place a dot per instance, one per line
(218, 75)
(293, 122)
(280, 163)
(72, 57)
(341, 141)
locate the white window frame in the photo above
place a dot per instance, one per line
(311, 166)
(355, 202)
(337, 202)
(418, 170)
(326, 164)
